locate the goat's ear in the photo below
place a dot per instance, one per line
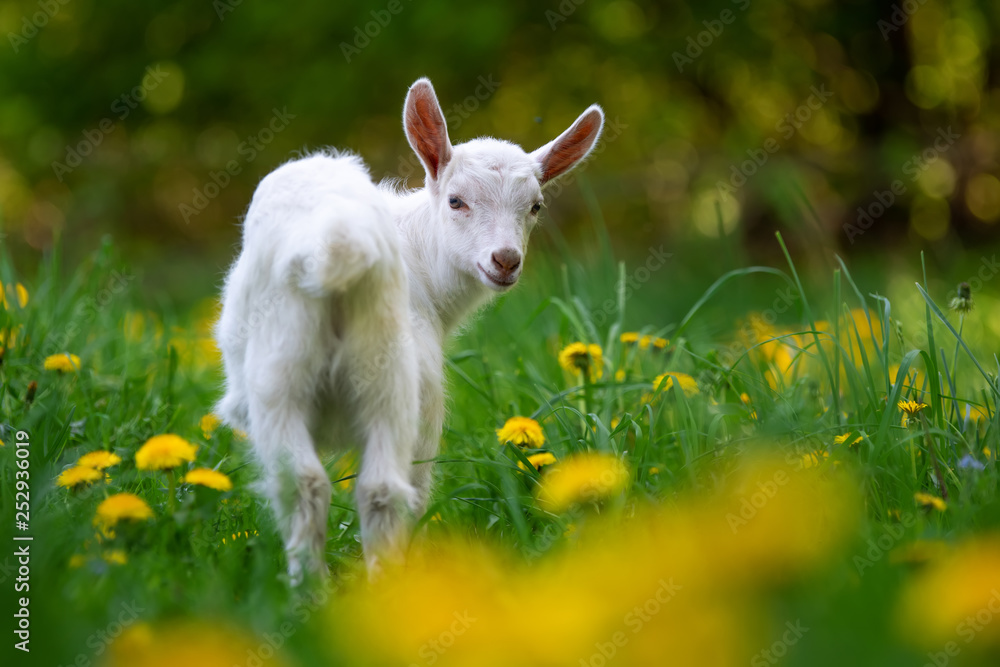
(425, 128)
(572, 146)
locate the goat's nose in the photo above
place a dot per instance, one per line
(507, 260)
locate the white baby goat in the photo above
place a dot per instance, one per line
(335, 314)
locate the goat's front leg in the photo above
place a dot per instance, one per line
(431, 423)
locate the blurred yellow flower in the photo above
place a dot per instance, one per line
(208, 424)
(660, 343)
(162, 452)
(213, 479)
(17, 292)
(644, 342)
(928, 501)
(115, 557)
(578, 357)
(522, 432)
(190, 644)
(620, 375)
(119, 507)
(629, 337)
(582, 478)
(77, 475)
(64, 363)
(955, 597)
(687, 383)
(538, 461)
(99, 460)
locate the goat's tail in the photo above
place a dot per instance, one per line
(337, 250)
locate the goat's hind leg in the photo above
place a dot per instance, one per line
(384, 382)
(295, 482)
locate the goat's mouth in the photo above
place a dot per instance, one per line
(496, 282)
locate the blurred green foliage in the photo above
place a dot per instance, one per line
(153, 101)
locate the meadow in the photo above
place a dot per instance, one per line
(784, 466)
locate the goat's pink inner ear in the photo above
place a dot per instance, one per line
(426, 129)
(572, 145)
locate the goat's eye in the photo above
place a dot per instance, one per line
(536, 208)
(455, 203)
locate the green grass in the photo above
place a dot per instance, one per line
(161, 378)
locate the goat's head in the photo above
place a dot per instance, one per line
(486, 193)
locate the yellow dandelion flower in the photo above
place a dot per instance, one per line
(64, 363)
(911, 407)
(208, 424)
(654, 471)
(660, 343)
(929, 502)
(77, 475)
(99, 460)
(538, 461)
(629, 337)
(579, 357)
(240, 435)
(115, 557)
(17, 291)
(582, 478)
(620, 375)
(841, 439)
(813, 459)
(213, 479)
(745, 398)
(119, 507)
(162, 452)
(687, 383)
(522, 432)
(644, 342)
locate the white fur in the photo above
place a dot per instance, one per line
(336, 312)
